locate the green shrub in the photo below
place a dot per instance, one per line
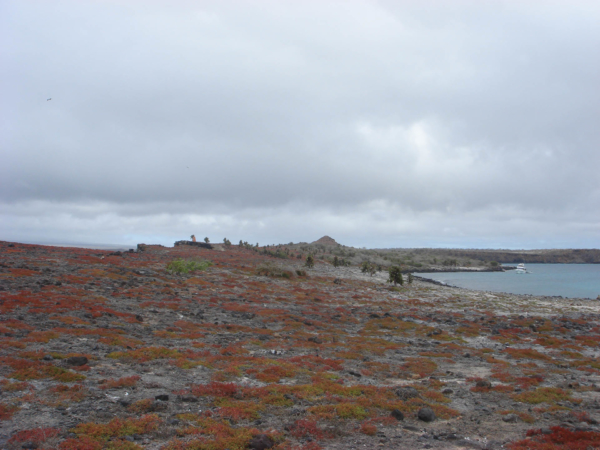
(310, 261)
(395, 275)
(180, 266)
(368, 267)
(271, 270)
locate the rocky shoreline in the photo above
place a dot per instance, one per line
(113, 350)
(464, 269)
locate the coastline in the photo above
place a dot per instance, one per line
(510, 286)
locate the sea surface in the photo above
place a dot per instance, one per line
(565, 280)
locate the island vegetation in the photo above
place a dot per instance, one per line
(220, 346)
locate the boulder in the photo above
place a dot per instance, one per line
(77, 361)
(261, 442)
(397, 414)
(407, 392)
(426, 414)
(483, 384)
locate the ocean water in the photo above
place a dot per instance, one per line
(566, 280)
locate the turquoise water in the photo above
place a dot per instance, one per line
(566, 280)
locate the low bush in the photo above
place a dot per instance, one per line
(180, 266)
(272, 270)
(558, 438)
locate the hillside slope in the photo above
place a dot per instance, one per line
(111, 350)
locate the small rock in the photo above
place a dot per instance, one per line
(139, 318)
(159, 406)
(511, 418)
(77, 361)
(407, 392)
(189, 399)
(173, 421)
(48, 358)
(315, 339)
(447, 391)
(354, 374)
(162, 397)
(426, 414)
(397, 414)
(483, 384)
(29, 445)
(261, 442)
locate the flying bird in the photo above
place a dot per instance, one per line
(49, 99)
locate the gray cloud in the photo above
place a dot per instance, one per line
(380, 123)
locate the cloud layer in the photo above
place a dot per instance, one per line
(379, 123)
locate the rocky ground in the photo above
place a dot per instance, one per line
(102, 350)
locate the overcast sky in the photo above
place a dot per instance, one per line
(378, 123)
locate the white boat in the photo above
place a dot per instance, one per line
(521, 268)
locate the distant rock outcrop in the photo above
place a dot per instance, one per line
(194, 244)
(326, 240)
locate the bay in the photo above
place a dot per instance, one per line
(565, 280)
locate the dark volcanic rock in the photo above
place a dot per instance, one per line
(407, 392)
(261, 442)
(483, 384)
(77, 361)
(159, 405)
(397, 414)
(426, 414)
